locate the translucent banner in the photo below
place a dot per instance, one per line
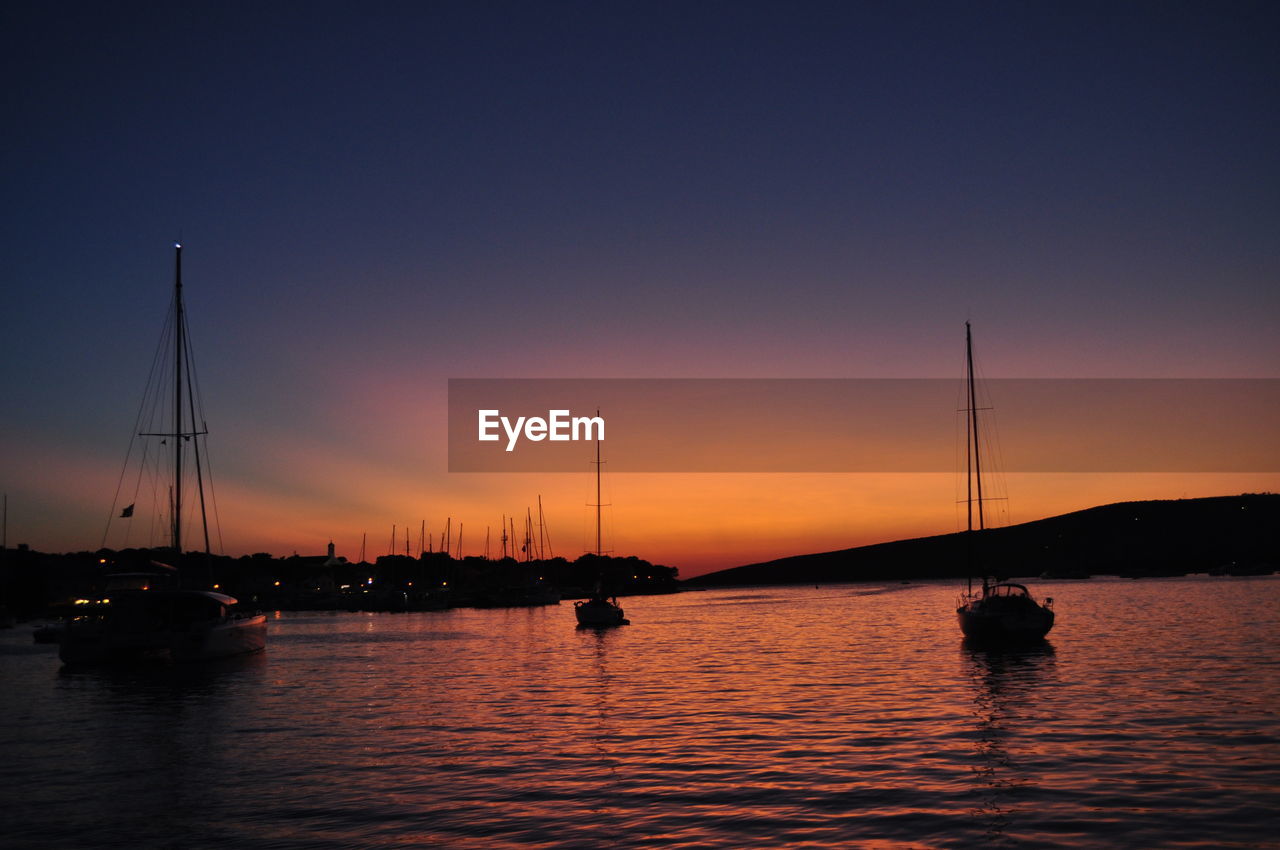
(862, 425)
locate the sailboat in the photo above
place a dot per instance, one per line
(599, 610)
(996, 612)
(143, 618)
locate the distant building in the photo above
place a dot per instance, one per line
(332, 560)
(319, 569)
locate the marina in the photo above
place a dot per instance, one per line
(371, 577)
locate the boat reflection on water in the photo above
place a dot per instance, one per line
(1005, 681)
(606, 821)
(155, 736)
(154, 684)
(601, 688)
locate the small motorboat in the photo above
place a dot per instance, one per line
(599, 611)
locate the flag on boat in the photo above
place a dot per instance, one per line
(127, 512)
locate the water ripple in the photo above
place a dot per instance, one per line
(722, 719)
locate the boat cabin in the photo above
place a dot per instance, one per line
(168, 608)
(1012, 595)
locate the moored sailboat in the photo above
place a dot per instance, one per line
(141, 619)
(996, 612)
(599, 610)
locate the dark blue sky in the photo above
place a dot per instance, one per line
(717, 148)
(376, 197)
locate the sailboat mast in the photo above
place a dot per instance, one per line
(178, 321)
(598, 547)
(968, 455)
(972, 447)
(196, 433)
(973, 412)
(542, 531)
(968, 427)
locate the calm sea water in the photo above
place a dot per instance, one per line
(841, 716)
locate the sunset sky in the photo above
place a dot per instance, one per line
(374, 198)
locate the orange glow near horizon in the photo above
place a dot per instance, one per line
(698, 523)
(299, 498)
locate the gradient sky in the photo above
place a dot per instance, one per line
(374, 198)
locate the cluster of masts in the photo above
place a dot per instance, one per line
(533, 543)
(532, 548)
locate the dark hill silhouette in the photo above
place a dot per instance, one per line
(1235, 534)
